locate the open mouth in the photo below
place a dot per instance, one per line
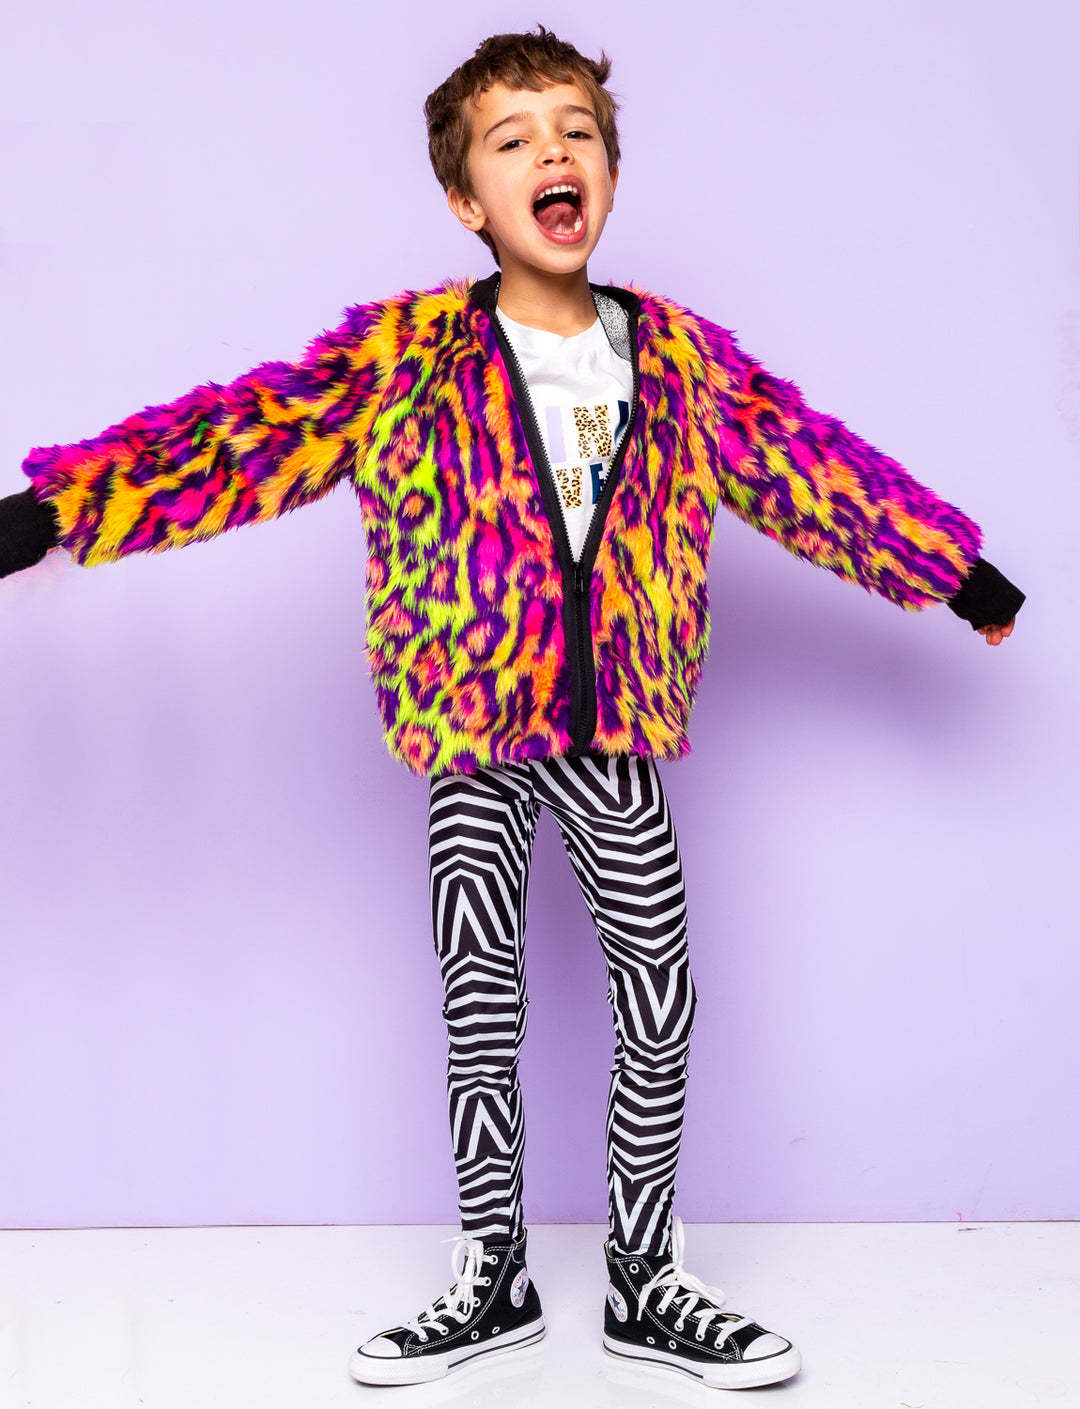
(558, 210)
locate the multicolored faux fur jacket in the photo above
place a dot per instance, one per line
(487, 643)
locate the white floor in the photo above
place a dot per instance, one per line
(887, 1316)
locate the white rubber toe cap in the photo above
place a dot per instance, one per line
(386, 1349)
(767, 1344)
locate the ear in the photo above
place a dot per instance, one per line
(467, 209)
(614, 183)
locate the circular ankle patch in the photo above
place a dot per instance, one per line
(618, 1302)
(517, 1290)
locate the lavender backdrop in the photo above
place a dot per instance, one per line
(219, 1000)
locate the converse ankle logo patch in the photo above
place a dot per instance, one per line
(618, 1302)
(517, 1289)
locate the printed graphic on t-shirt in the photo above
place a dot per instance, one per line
(581, 441)
(580, 389)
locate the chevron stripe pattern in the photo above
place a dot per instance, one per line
(617, 829)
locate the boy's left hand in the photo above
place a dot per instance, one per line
(994, 635)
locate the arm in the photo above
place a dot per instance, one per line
(828, 496)
(280, 436)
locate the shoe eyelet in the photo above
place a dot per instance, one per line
(475, 1335)
(700, 1336)
(494, 1330)
(650, 1340)
(672, 1345)
(633, 1267)
(484, 1281)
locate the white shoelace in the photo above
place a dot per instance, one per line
(672, 1279)
(460, 1301)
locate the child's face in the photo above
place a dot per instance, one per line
(523, 145)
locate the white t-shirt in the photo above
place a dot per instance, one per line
(581, 390)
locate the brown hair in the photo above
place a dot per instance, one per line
(532, 61)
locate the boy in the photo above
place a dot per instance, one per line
(538, 462)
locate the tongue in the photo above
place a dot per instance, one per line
(559, 217)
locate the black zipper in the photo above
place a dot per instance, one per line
(576, 574)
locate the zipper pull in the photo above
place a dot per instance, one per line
(579, 580)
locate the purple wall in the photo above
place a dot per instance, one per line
(219, 1000)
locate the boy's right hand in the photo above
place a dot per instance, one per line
(28, 529)
(994, 635)
(988, 601)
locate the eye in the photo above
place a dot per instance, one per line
(512, 144)
(579, 133)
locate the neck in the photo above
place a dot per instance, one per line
(555, 303)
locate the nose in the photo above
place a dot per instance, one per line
(555, 152)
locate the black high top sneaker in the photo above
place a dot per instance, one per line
(658, 1313)
(492, 1308)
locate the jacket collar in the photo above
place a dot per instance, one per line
(484, 294)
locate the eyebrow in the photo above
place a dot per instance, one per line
(524, 116)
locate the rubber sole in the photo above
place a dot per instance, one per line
(419, 1369)
(737, 1374)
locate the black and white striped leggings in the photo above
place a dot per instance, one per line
(618, 833)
